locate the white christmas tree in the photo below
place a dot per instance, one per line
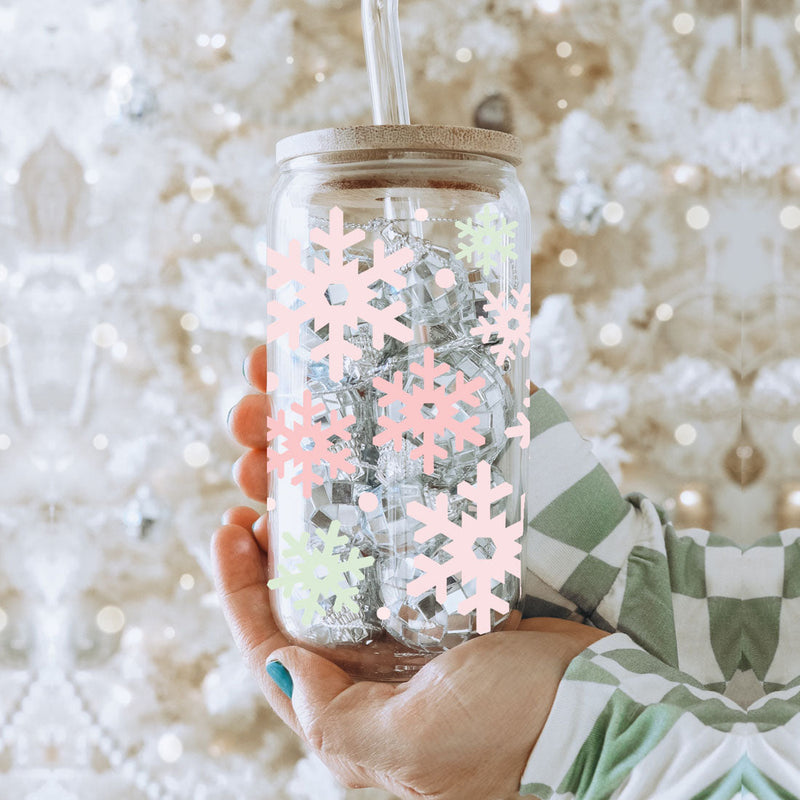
(135, 158)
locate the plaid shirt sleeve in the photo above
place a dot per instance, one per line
(698, 624)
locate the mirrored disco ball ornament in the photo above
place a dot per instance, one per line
(334, 400)
(421, 620)
(436, 291)
(449, 411)
(335, 500)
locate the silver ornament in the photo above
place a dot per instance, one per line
(580, 207)
(422, 621)
(140, 101)
(494, 114)
(145, 515)
(493, 412)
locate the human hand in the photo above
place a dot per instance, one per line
(461, 729)
(426, 738)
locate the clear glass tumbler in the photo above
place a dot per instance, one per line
(398, 338)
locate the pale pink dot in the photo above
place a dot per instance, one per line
(271, 504)
(421, 214)
(272, 381)
(445, 278)
(383, 613)
(367, 501)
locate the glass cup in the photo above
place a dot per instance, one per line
(398, 339)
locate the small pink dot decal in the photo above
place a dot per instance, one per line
(445, 278)
(421, 214)
(367, 501)
(383, 613)
(272, 381)
(271, 504)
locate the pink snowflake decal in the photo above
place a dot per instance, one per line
(464, 559)
(308, 444)
(351, 287)
(429, 411)
(511, 323)
(521, 431)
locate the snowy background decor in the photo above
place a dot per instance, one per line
(662, 162)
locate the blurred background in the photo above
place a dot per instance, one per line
(662, 163)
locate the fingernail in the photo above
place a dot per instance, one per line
(260, 525)
(281, 676)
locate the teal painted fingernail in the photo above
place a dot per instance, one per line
(281, 676)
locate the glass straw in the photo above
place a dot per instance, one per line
(380, 26)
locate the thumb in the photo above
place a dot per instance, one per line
(311, 682)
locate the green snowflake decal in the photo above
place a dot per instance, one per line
(490, 239)
(319, 574)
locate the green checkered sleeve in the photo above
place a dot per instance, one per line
(625, 726)
(770, 609)
(696, 694)
(695, 600)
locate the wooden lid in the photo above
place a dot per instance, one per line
(427, 138)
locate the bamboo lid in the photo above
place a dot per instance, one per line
(382, 138)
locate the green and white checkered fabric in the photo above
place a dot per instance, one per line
(626, 726)
(697, 694)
